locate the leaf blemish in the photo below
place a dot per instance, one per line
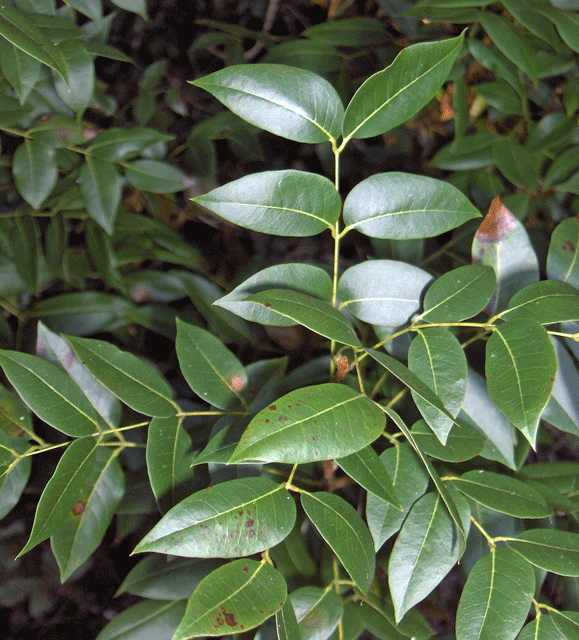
(272, 407)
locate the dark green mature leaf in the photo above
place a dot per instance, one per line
(304, 278)
(394, 95)
(286, 622)
(317, 315)
(119, 144)
(463, 443)
(101, 187)
(545, 302)
(13, 483)
(502, 493)
(15, 419)
(566, 23)
(549, 549)
(35, 171)
(20, 69)
(410, 480)
(567, 622)
(496, 597)
(169, 461)
(348, 32)
(562, 410)
(404, 206)
(312, 55)
(320, 422)
(82, 529)
(383, 291)
(129, 378)
(228, 520)
(436, 357)
(346, 534)
(283, 203)
(234, 598)
(563, 257)
(292, 103)
(374, 620)
(541, 628)
(521, 366)
(318, 611)
(517, 163)
(154, 176)
(149, 619)
(26, 250)
(63, 490)
(50, 393)
(459, 294)
(469, 152)
(210, 369)
(77, 92)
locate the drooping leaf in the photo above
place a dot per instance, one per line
(563, 257)
(545, 302)
(404, 206)
(521, 365)
(319, 422)
(14, 482)
(549, 549)
(394, 95)
(234, 598)
(210, 369)
(383, 291)
(290, 102)
(101, 188)
(20, 69)
(132, 380)
(285, 203)
(318, 611)
(228, 520)
(346, 534)
(35, 171)
(496, 597)
(318, 315)
(151, 618)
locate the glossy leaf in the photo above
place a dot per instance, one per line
(154, 176)
(567, 622)
(563, 257)
(404, 206)
(346, 534)
(319, 422)
(119, 144)
(210, 369)
(410, 481)
(35, 172)
(304, 278)
(286, 623)
(228, 520)
(317, 315)
(132, 380)
(169, 461)
(20, 69)
(234, 598)
(516, 162)
(502, 243)
(463, 443)
(562, 410)
(459, 294)
(101, 188)
(383, 291)
(521, 365)
(292, 103)
(82, 529)
(63, 490)
(50, 393)
(436, 357)
(318, 611)
(283, 203)
(151, 618)
(77, 91)
(502, 493)
(541, 628)
(549, 549)
(394, 95)
(566, 23)
(496, 597)
(545, 302)
(366, 468)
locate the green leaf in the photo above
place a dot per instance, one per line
(366, 468)
(317, 315)
(348, 32)
(35, 172)
(502, 493)
(304, 278)
(545, 302)
(292, 103)
(346, 534)
(424, 552)
(410, 481)
(394, 95)
(101, 188)
(541, 628)
(82, 529)
(404, 206)
(567, 622)
(17, 28)
(463, 443)
(129, 378)
(566, 24)
(521, 365)
(459, 294)
(93, 9)
(169, 461)
(210, 369)
(15, 420)
(13, 483)
(148, 619)
(119, 144)
(436, 357)
(77, 91)
(311, 55)
(235, 598)
(318, 611)
(286, 623)
(549, 549)
(136, 6)
(63, 490)
(21, 70)
(563, 257)
(473, 151)
(383, 291)
(319, 422)
(228, 520)
(50, 393)
(496, 597)
(517, 163)
(282, 203)
(154, 176)
(374, 620)
(26, 250)
(562, 410)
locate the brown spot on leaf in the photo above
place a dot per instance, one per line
(568, 246)
(273, 407)
(249, 523)
(342, 368)
(229, 617)
(245, 569)
(237, 383)
(498, 221)
(283, 419)
(79, 508)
